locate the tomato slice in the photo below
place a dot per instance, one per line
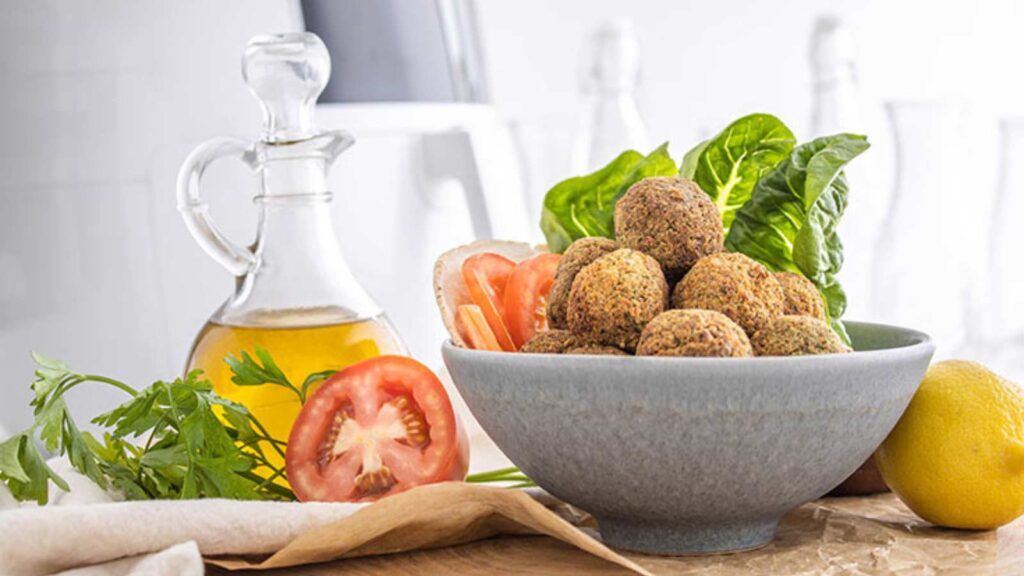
(473, 328)
(526, 297)
(486, 275)
(376, 428)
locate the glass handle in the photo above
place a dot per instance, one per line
(237, 259)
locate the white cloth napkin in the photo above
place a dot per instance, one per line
(179, 560)
(86, 533)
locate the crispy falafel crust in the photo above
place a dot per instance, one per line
(579, 254)
(614, 297)
(735, 285)
(597, 350)
(693, 333)
(549, 342)
(801, 296)
(797, 336)
(671, 219)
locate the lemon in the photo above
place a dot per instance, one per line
(956, 457)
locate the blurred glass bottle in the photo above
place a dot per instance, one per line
(1005, 274)
(919, 278)
(611, 121)
(836, 107)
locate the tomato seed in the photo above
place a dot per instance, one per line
(417, 432)
(327, 446)
(376, 482)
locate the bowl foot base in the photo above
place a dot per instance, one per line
(683, 538)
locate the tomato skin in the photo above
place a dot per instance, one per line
(486, 276)
(365, 394)
(525, 300)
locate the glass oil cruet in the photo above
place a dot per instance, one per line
(295, 296)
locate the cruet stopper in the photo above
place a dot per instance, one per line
(286, 73)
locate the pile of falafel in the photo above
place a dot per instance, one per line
(666, 287)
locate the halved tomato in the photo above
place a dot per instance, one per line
(473, 328)
(486, 275)
(526, 297)
(376, 428)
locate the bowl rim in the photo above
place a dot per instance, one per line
(918, 343)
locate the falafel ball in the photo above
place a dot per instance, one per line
(671, 219)
(614, 297)
(579, 254)
(597, 350)
(735, 285)
(693, 333)
(797, 336)
(549, 342)
(801, 296)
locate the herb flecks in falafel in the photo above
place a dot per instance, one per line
(797, 336)
(735, 285)
(670, 219)
(801, 296)
(693, 333)
(579, 254)
(597, 350)
(549, 342)
(615, 296)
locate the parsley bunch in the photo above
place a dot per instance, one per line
(171, 440)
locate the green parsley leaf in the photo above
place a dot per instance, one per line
(174, 439)
(24, 470)
(248, 372)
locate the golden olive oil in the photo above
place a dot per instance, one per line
(299, 350)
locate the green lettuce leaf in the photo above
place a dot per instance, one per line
(584, 206)
(790, 221)
(688, 167)
(729, 165)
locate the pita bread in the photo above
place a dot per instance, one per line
(449, 287)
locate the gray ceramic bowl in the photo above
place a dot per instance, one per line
(692, 455)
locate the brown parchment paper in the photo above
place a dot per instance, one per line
(426, 517)
(864, 536)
